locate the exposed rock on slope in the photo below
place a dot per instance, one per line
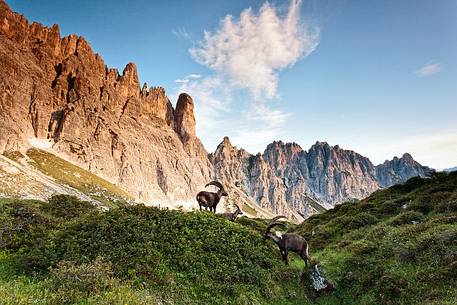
(286, 179)
(57, 88)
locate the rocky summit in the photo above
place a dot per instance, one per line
(290, 180)
(59, 90)
(55, 91)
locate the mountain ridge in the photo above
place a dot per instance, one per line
(286, 176)
(57, 89)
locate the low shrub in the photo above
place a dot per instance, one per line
(409, 217)
(67, 207)
(76, 282)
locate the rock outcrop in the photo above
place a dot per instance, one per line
(59, 89)
(399, 170)
(287, 179)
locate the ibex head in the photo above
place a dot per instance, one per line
(238, 210)
(218, 185)
(274, 222)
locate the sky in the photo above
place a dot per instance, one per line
(377, 77)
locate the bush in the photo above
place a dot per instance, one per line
(21, 223)
(447, 206)
(74, 282)
(421, 206)
(361, 220)
(67, 207)
(409, 217)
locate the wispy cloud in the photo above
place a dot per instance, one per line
(251, 50)
(428, 70)
(245, 56)
(181, 33)
(187, 78)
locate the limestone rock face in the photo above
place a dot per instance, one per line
(288, 180)
(337, 175)
(184, 116)
(59, 89)
(273, 179)
(400, 169)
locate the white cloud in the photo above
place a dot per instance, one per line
(428, 69)
(187, 78)
(250, 51)
(245, 56)
(251, 128)
(194, 76)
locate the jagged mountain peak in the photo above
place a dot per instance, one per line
(286, 178)
(226, 142)
(59, 89)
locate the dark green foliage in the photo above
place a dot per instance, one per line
(187, 258)
(409, 217)
(74, 282)
(21, 221)
(67, 207)
(398, 246)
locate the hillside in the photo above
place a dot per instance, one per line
(66, 251)
(397, 246)
(38, 174)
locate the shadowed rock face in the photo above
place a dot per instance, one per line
(285, 178)
(57, 88)
(399, 170)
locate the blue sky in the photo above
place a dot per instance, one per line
(378, 77)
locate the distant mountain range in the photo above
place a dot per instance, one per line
(286, 177)
(452, 169)
(57, 95)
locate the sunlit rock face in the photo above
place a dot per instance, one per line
(288, 179)
(59, 89)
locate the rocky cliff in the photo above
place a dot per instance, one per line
(58, 89)
(399, 170)
(288, 179)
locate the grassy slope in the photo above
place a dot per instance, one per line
(399, 246)
(178, 258)
(64, 173)
(76, 177)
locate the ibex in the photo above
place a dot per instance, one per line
(287, 242)
(210, 199)
(234, 215)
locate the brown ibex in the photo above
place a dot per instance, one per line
(234, 215)
(211, 199)
(287, 241)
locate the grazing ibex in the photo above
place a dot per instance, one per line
(234, 215)
(287, 242)
(210, 199)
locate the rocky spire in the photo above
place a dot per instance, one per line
(129, 84)
(184, 117)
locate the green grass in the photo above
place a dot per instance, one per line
(78, 178)
(398, 246)
(13, 155)
(75, 253)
